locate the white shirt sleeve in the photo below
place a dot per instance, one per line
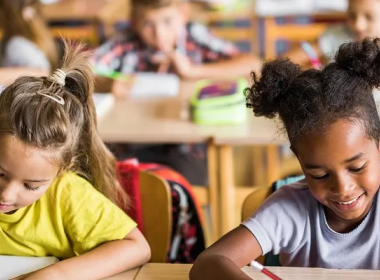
(279, 223)
(20, 52)
(332, 38)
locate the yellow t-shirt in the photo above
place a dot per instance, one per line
(70, 219)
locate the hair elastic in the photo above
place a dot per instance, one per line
(58, 77)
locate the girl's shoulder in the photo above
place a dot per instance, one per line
(22, 52)
(71, 184)
(20, 42)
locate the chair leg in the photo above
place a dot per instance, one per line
(273, 164)
(258, 170)
(227, 189)
(213, 190)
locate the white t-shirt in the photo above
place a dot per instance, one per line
(292, 223)
(20, 52)
(332, 38)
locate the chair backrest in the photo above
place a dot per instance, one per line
(157, 214)
(254, 200)
(252, 203)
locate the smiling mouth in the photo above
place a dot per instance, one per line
(349, 205)
(349, 201)
(5, 205)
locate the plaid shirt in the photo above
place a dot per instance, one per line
(127, 53)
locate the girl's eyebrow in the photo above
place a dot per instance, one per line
(32, 181)
(359, 155)
(355, 157)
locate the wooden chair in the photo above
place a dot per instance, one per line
(252, 203)
(157, 214)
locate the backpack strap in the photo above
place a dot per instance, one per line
(289, 180)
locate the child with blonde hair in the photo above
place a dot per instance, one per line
(58, 188)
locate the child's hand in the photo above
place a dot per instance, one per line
(121, 89)
(182, 65)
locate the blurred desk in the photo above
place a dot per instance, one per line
(74, 9)
(279, 27)
(87, 16)
(167, 121)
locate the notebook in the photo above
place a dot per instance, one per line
(11, 266)
(150, 85)
(103, 103)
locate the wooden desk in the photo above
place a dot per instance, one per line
(74, 9)
(128, 275)
(167, 121)
(153, 271)
(274, 31)
(181, 272)
(261, 134)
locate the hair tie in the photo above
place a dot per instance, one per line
(58, 77)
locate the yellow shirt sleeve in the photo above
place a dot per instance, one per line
(89, 218)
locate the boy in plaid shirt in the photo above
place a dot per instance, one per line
(162, 40)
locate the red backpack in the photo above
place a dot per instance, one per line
(187, 240)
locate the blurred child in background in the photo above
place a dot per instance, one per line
(27, 47)
(363, 21)
(162, 40)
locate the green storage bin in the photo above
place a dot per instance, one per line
(219, 102)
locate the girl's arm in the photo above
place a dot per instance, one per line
(106, 260)
(226, 257)
(298, 55)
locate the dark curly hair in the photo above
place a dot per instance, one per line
(310, 101)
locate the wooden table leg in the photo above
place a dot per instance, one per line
(273, 164)
(213, 190)
(258, 172)
(227, 189)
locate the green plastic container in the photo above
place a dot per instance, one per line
(219, 102)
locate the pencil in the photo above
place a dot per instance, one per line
(261, 268)
(311, 53)
(114, 75)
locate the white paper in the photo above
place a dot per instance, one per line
(11, 267)
(103, 103)
(294, 7)
(148, 85)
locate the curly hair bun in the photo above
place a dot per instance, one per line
(361, 59)
(266, 94)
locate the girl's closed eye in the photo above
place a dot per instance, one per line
(29, 188)
(320, 177)
(358, 170)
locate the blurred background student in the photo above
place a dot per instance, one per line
(363, 20)
(26, 47)
(162, 39)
